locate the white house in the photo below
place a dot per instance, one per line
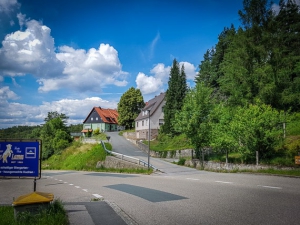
(153, 111)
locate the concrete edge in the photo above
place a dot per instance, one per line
(128, 220)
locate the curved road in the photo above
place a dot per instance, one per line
(123, 146)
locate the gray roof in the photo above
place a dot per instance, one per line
(152, 105)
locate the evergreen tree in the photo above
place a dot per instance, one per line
(129, 107)
(175, 94)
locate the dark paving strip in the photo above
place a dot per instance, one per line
(110, 175)
(101, 213)
(146, 193)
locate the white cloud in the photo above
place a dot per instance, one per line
(148, 84)
(6, 93)
(154, 84)
(7, 6)
(32, 51)
(12, 114)
(189, 70)
(87, 71)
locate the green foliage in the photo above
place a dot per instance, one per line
(177, 89)
(55, 214)
(54, 134)
(168, 143)
(17, 132)
(181, 161)
(97, 131)
(129, 107)
(194, 118)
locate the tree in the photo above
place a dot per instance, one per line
(257, 128)
(129, 107)
(222, 135)
(54, 134)
(175, 94)
(194, 118)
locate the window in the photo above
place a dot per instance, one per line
(96, 118)
(143, 113)
(161, 121)
(146, 112)
(92, 119)
(137, 124)
(143, 123)
(146, 122)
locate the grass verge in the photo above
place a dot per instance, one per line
(84, 157)
(54, 215)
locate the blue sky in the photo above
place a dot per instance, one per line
(69, 56)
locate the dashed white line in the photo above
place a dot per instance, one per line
(71, 184)
(65, 182)
(191, 179)
(223, 182)
(272, 187)
(85, 190)
(60, 180)
(98, 196)
(77, 186)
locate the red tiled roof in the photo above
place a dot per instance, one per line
(107, 115)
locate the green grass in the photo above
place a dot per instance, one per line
(167, 143)
(84, 157)
(54, 215)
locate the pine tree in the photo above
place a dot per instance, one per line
(175, 94)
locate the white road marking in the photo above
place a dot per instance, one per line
(71, 184)
(55, 179)
(191, 179)
(85, 190)
(65, 182)
(60, 180)
(77, 186)
(272, 187)
(98, 196)
(223, 182)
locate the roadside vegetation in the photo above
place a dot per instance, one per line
(55, 214)
(84, 157)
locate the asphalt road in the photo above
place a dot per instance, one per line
(187, 197)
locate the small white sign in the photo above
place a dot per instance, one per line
(30, 152)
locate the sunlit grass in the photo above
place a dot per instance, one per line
(54, 215)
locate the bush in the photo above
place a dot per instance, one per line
(181, 161)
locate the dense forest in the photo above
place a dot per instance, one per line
(247, 94)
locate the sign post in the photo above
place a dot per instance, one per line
(20, 158)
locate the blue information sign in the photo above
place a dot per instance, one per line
(20, 158)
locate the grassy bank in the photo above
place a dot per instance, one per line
(84, 157)
(54, 215)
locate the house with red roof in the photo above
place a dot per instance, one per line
(152, 114)
(102, 119)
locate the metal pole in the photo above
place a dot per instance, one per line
(149, 141)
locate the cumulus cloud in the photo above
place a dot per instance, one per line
(32, 51)
(148, 84)
(12, 114)
(87, 70)
(155, 84)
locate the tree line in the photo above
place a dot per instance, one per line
(247, 87)
(55, 134)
